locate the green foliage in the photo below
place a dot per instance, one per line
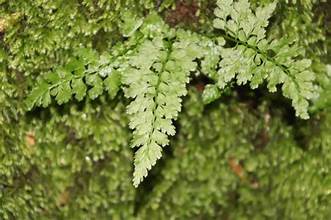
(255, 58)
(92, 91)
(250, 176)
(154, 75)
(210, 94)
(87, 70)
(157, 94)
(324, 99)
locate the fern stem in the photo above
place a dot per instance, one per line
(168, 47)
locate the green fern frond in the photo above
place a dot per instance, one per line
(88, 74)
(256, 58)
(156, 80)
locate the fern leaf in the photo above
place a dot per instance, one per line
(254, 58)
(39, 96)
(155, 81)
(87, 74)
(210, 93)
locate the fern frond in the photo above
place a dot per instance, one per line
(156, 80)
(87, 74)
(256, 58)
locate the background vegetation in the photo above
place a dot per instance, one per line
(239, 152)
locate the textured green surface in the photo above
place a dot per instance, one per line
(82, 81)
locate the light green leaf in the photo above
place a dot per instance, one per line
(78, 88)
(39, 96)
(273, 60)
(62, 93)
(210, 93)
(96, 82)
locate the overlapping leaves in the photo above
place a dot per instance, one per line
(154, 65)
(256, 58)
(87, 74)
(154, 73)
(156, 80)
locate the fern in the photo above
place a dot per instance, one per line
(155, 67)
(156, 80)
(154, 72)
(88, 74)
(154, 64)
(255, 58)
